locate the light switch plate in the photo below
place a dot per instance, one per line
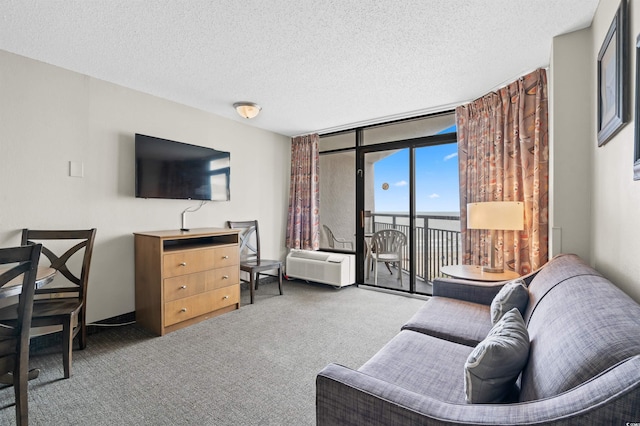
(76, 169)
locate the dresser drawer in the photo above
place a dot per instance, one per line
(193, 306)
(223, 297)
(184, 286)
(187, 262)
(226, 256)
(222, 277)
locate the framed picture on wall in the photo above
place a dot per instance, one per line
(612, 78)
(636, 153)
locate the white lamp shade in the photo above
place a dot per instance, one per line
(497, 215)
(247, 109)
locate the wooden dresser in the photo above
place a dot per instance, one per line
(184, 277)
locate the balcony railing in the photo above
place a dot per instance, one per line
(437, 241)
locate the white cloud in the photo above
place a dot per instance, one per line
(401, 183)
(450, 156)
(434, 195)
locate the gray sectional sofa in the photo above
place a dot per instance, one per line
(583, 363)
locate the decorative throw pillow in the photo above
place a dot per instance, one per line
(513, 294)
(494, 365)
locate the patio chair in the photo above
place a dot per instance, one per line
(387, 246)
(332, 240)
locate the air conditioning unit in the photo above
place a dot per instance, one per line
(335, 269)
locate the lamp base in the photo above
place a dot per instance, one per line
(492, 270)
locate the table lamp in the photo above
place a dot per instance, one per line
(495, 215)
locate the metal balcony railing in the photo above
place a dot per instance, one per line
(437, 241)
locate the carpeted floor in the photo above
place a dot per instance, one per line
(253, 366)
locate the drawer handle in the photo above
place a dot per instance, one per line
(183, 264)
(225, 297)
(225, 257)
(183, 310)
(183, 287)
(225, 277)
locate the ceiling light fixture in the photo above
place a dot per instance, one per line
(247, 109)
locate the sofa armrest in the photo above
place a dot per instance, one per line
(467, 290)
(472, 291)
(348, 397)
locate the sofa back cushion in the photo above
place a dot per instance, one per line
(579, 325)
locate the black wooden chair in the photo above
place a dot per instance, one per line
(250, 260)
(14, 339)
(57, 305)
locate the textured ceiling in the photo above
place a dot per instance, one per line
(313, 65)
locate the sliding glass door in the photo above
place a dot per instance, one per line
(387, 206)
(437, 212)
(402, 177)
(409, 188)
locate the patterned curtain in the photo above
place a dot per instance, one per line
(503, 154)
(303, 221)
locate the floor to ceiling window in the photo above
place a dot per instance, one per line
(338, 192)
(396, 178)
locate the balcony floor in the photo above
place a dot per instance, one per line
(390, 281)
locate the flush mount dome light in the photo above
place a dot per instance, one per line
(247, 109)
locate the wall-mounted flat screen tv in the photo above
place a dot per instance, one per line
(177, 170)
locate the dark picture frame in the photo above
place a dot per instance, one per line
(613, 78)
(636, 153)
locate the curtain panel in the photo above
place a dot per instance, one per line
(503, 154)
(303, 220)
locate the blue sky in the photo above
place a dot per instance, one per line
(437, 182)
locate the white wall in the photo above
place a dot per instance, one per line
(595, 200)
(570, 138)
(50, 116)
(615, 198)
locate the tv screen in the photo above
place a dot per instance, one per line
(176, 170)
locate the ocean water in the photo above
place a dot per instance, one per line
(402, 218)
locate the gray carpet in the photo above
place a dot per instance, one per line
(253, 366)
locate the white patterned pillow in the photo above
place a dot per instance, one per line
(513, 294)
(494, 365)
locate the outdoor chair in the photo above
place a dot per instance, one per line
(332, 240)
(387, 246)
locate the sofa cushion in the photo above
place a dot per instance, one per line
(440, 317)
(422, 364)
(513, 294)
(493, 367)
